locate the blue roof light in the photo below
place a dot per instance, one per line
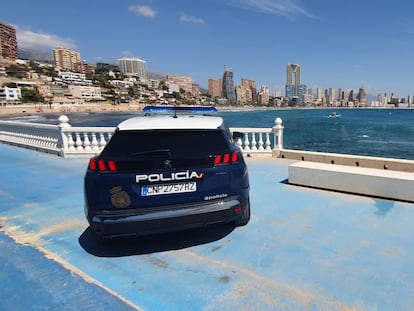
(203, 110)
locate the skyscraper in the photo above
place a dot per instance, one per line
(293, 87)
(229, 91)
(133, 66)
(293, 70)
(8, 42)
(362, 95)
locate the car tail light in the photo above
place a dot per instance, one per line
(237, 209)
(96, 227)
(227, 158)
(102, 165)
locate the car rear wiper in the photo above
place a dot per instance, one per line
(153, 152)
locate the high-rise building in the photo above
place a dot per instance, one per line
(319, 93)
(215, 87)
(331, 95)
(243, 95)
(339, 94)
(66, 59)
(293, 87)
(362, 95)
(133, 66)
(8, 42)
(351, 96)
(251, 85)
(293, 74)
(228, 91)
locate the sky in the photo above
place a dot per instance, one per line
(344, 44)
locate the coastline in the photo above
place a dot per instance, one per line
(32, 109)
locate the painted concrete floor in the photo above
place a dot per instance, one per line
(304, 249)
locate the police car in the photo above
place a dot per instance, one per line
(169, 169)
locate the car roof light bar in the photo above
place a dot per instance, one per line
(201, 110)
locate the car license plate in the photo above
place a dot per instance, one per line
(185, 187)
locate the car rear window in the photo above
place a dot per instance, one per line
(172, 142)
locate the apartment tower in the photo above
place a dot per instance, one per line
(66, 59)
(215, 87)
(8, 42)
(133, 66)
(251, 85)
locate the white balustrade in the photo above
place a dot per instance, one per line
(258, 141)
(86, 141)
(68, 141)
(42, 137)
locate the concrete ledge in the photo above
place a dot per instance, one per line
(389, 184)
(350, 160)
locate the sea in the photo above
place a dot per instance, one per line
(359, 131)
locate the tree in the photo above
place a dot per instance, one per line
(31, 95)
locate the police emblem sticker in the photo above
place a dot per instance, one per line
(120, 198)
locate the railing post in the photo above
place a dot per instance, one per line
(278, 137)
(62, 143)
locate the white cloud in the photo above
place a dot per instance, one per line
(143, 10)
(184, 18)
(28, 39)
(278, 7)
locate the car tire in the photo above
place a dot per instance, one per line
(245, 216)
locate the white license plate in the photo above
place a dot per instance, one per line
(168, 188)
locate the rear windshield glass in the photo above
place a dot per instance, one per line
(161, 142)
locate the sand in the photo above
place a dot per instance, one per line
(105, 107)
(32, 109)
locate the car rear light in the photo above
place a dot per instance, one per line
(102, 165)
(227, 158)
(237, 209)
(96, 227)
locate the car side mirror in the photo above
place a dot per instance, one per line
(237, 135)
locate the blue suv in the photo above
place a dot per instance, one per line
(167, 171)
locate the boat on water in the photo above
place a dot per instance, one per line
(334, 115)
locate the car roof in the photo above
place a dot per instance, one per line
(170, 122)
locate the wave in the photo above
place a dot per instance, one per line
(31, 118)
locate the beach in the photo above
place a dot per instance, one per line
(11, 110)
(38, 109)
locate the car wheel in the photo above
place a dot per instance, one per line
(245, 217)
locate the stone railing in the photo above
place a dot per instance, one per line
(67, 141)
(41, 137)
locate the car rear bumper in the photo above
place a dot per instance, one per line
(115, 224)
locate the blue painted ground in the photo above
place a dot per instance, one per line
(304, 249)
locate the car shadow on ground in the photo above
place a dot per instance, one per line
(153, 243)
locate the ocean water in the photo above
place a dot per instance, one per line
(371, 132)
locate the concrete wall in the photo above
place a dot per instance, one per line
(350, 160)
